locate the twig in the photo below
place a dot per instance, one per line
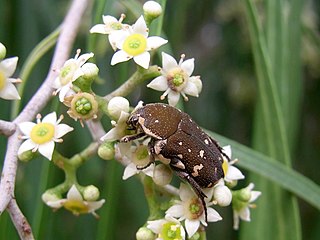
(20, 221)
(35, 105)
(7, 128)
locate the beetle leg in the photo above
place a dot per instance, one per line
(195, 186)
(220, 149)
(129, 138)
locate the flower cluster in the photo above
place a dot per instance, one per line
(187, 214)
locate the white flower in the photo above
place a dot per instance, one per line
(191, 210)
(231, 173)
(75, 203)
(152, 8)
(176, 79)
(116, 105)
(138, 158)
(135, 43)
(7, 89)
(43, 134)
(242, 202)
(166, 229)
(71, 71)
(110, 26)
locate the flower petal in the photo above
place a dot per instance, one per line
(61, 130)
(26, 146)
(143, 60)
(254, 195)
(74, 194)
(227, 150)
(46, 149)
(185, 192)
(155, 42)
(107, 19)
(94, 205)
(83, 58)
(63, 92)
(173, 98)
(99, 28)
(149, 170)
(235, 220)
(26, 127)
(191, 226)
(56, 204)
(168, 62)
(159, 83)
(191, 89)
(50, 118)
(140, 27)
(156, 225)
(176, 211)
(213, 215)
(188, 66)
(233, 174)
(245, 214)
(8, 66)
(9, 92)
(129, 171)
(120, 56)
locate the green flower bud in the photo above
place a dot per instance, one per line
(3, 51)
(91, 193)
(241, 198)
(195, 236)
(145, 234)
(27, 156)
(116, 105)
(106, 151)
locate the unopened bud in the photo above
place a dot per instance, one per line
(106, 151)
(162, 175)
(116, 105)
(222, 195)
(91, 193)
(26, 156)
(151, 10)
(3, 51)
(50, 197)
(145, 234)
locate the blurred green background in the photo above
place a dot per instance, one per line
(216, 34)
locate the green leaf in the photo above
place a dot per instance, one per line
(273, 170)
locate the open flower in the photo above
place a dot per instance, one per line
(71, 71)
(42, 135)
(242, 202)
(191, 210)
(76, 204)
(7, 89)
(137, 157)
(176, 79)
(166, 229)
(110, 26)
(231, 173)
(135, 43)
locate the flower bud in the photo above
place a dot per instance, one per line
(116, 105)
(145, 234)
(197, 81)
(3, 51)
(91, 193)
(195, 236)
(222, 195)
(151, 10)
(49, 196)
(26, 156)
(162, 175)
(106, 151)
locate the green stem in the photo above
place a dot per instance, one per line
(150, 193)
(138, 77)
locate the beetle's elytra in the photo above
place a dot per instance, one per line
(176, 138)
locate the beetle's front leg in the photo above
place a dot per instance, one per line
(129, 138)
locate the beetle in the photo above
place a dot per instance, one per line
(178, 141)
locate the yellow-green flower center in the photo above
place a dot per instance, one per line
(67, 72)
(42, 133)
(2, 80)
(177, 79)
(83, 106)
(225, 166)
(141, 156)
(195, 208)
(170, 231)
(76, 207)
(116, 26)
(135, 44)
